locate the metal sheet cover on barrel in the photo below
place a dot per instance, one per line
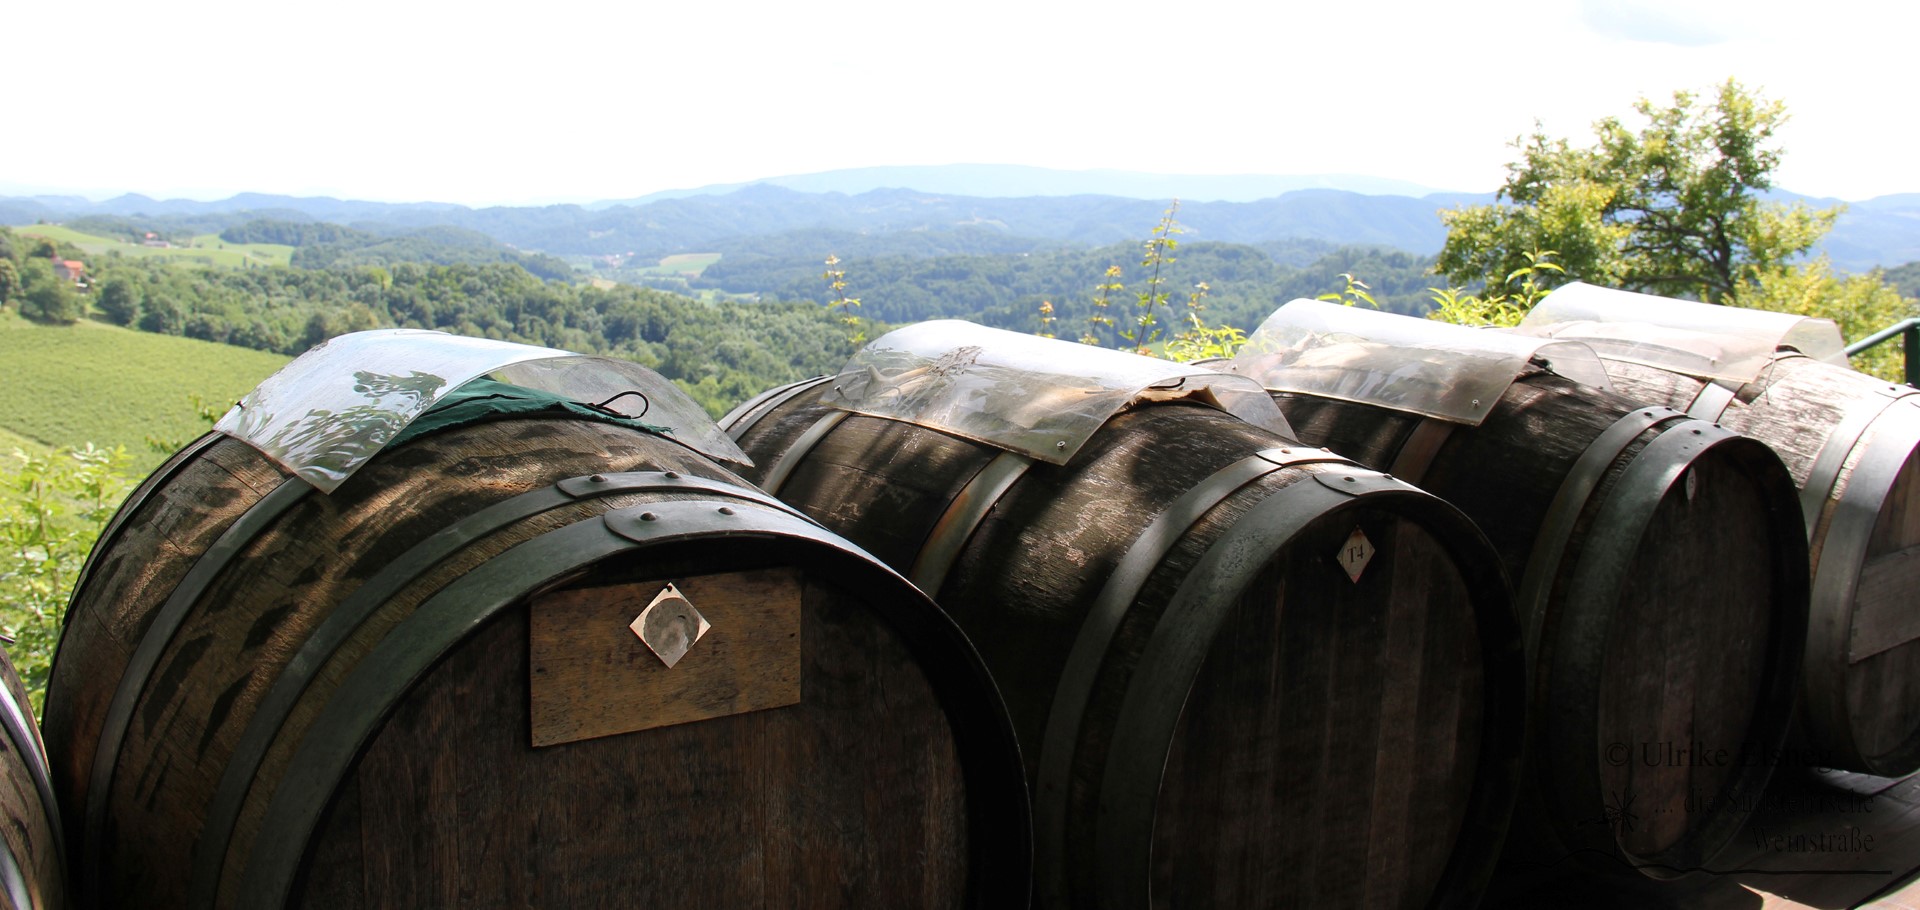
(536, 647)
(1245, 672)
(1659, 563)
(1852, 442)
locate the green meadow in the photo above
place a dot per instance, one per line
(688, 265)
(105, 385)
(207, 249)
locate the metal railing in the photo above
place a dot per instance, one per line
(1909, 332)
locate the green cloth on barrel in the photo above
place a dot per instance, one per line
(485, 399)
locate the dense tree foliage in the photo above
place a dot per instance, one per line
(434, 246)
(52, 508)
(1672, 207)
(291, 233)
(46, 297)
(1245, 285)
(119, 301)
(720, 353)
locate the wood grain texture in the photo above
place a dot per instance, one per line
(1683, 678)
(1263, 803)
(1686, 638)
(241, 634)
(592, 676)
(1235, 811)
(847, 799)
(1794, 407)
(125, 588)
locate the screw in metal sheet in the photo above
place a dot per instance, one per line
(1349, 479)
(670, 625)
(1061, 444)
(648, 516)
(726, 510)
(597, 478)
(673, 475)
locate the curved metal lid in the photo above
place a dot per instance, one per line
(336, 406)
(1699, 339)
(1040, 397)
(1438, 369)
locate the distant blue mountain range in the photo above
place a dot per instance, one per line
(1020, 202)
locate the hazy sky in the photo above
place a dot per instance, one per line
(485, 103)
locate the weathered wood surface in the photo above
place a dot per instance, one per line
(1818, 840)
(239, 638)
(1303, 766)
(1688, 644)
(592, 676)
(1862, 674)
(846, 799)
(34, 877)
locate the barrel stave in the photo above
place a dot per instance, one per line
(1629, 639)
(447, 786)
(1862, 709)
(1025, 588)
(804, 783)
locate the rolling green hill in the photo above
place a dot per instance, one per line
(207, 249)
(71, 385)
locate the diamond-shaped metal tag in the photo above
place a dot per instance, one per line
(670, 625)
(1355, 554)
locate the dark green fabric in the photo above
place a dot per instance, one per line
(484, 399)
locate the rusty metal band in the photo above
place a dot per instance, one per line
(1575, 690)
(1097, 629)
(741, 420)
(1417, 450)
(963, 515)
(791, 458)
(355, 712)
(1819, 488)
(277, 705)
(20, 731)
(140, 667)
(1550, 545)
(1837, 637)
(1156, 692)
(1711, 402)
(137, 500)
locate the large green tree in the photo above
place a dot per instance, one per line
(1672, 205)
(48, 297)
(120, 301)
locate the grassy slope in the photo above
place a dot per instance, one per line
(70, 385)
(207, 249)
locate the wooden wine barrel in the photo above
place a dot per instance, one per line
(1662, 594)
(32, 865)
(1852, 443)
(422, 689)
(1216, 709)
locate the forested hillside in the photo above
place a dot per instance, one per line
(1244, 283)
(721, 353)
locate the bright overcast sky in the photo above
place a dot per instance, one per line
(491, 103)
